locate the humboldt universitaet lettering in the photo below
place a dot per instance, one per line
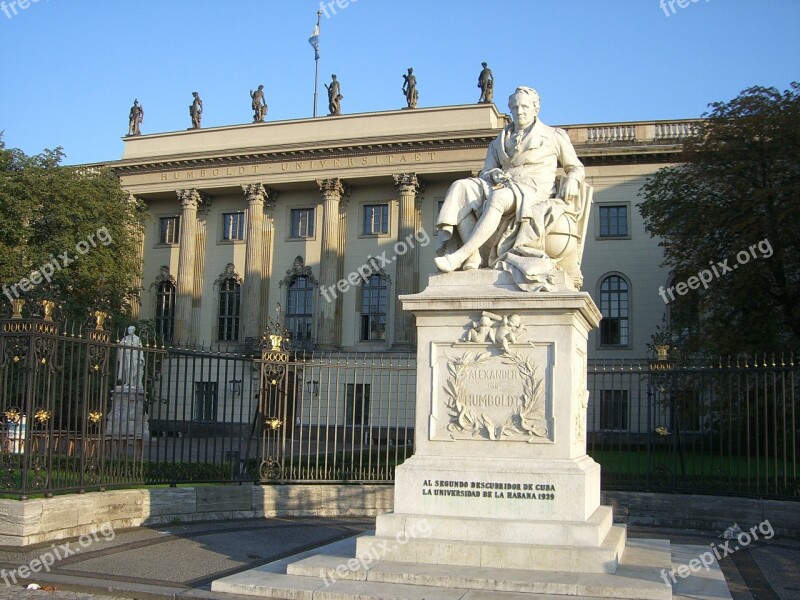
(301, 166)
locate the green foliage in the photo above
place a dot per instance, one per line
(738, 185)
(47, 210)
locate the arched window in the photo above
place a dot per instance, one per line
(165, 310)
(230, 300)
(374, 303)
(614, 329)
(299, 312)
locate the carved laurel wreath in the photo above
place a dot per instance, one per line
(527, 421)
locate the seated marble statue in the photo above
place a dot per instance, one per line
(516, 215)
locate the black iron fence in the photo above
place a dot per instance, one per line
(86, 410)
(729, 427)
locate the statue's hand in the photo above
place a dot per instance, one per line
(570, 191)
(496, 176)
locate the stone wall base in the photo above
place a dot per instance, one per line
(39, 521)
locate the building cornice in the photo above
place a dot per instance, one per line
(469, 128)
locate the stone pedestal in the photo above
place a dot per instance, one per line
(500, 474)
(127, 419)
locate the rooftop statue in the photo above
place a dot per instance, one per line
(486, 83)
(196, 110)
(259, 104)
(410, 88)
(334, 96)
(517, 216)
(135, 118)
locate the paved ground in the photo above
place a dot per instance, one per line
(180, 561)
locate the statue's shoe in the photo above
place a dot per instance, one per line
(444, 264)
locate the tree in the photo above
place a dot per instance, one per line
(67, 234)
(728, 218)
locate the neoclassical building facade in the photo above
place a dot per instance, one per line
(332, 218)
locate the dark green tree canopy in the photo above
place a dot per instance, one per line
(67, 234)
(736, 193)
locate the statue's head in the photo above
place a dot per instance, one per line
(484, 65)
(261, 87)
(131, 329)
(333, 77)
(524, 106)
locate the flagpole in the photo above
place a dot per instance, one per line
(316, 68)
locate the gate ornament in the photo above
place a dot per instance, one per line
(100, 319)
(16, 307)
(48, 306)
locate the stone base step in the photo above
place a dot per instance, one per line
(644, 558)
(332, 577)
(501, 555)
(590, 533)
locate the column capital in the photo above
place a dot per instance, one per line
(409, 183)
(259, 193)
(333, 188)
(255, 193)
(189, 198)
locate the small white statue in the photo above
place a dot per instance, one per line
(130, 361)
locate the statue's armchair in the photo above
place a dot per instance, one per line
(571, 236)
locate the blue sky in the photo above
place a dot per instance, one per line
(71, 68)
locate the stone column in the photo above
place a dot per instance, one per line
(267, 226)
(251, 294)
(189, 199)
(407, 279)
(196, 330)
(136, 305)
(330, 312)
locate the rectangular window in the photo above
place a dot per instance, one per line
(614, 221)
(614, 410)
(230, 302)
(357, 404)
(205, 401)
(376, 219)
(170, 230)
(302, 223)
(233, 226)
(300, 301)
(374, 304)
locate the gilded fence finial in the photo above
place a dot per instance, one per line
(48, 306)
(16, 306)
(100, 318)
